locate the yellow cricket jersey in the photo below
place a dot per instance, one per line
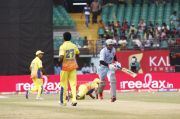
(69, 51)
(91, 85)
(35, 66)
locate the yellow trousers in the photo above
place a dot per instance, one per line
(38, 84)
(65, 77)
(82, 90)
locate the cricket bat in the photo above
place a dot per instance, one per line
(129, 72)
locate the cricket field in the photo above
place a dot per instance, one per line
(129, 105)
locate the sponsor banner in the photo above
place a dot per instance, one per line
(150, 61)
(146, 81)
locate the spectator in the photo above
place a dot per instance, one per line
(137, 41)
(125, 26)
(122, 42)
(132, 34)
(150, 25)
(86, 11)
(85, 69)
(93, 69)
(85, 42)
(141, 25)
(101, 29)
(95, 7)
(132, 27)
(163, 35)
(174, 20)
(57, 69)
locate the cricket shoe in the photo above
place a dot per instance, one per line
(100, 96)
(27, 94)
(113, 99)
(62, 104)
(74, 104)
(39, 98)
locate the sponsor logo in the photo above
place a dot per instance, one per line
(160, 63)
(48, 86)
(148, 83)
(139, 59)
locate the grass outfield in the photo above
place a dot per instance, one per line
(158, 105)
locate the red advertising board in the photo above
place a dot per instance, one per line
(150, 61)
(144, 81)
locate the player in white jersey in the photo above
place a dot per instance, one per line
(107, 68)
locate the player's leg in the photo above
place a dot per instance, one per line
(102, 72)
(39, 88)
(73, 83)
(63, 84)
(112, 79)
(34, 89)
(82, 90)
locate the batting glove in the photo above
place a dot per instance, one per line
(117, 65)
(112, 66)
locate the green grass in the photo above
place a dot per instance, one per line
(158, 105)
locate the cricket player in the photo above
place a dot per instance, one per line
(88, 89)
(107, 68)
(36, 69)
(68, 52)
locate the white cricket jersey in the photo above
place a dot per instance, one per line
(87, 10)
(107, 55)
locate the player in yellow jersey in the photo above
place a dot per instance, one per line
(36, 75)
(68, 52)
(88, 89)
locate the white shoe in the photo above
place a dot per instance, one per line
(62, 104)
(39, 98)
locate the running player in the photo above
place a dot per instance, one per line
(107, 68)
(36, 69)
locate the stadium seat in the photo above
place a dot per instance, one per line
(152, 13)
(159, 14)
(144, 12)
(112, 13)
(128, 11)
(104, 14)
(167, 13)
(120, 12)
(61, 17)
(176, 6)
(164, 44)
(136, 14)
(130, 45)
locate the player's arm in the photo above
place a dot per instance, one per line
(61, 55)
(90, 93)
(102, 56)
(77, 52)
(77, 56)
(115, 58)
(43, 70)
(30, 68)
(103, 63)
(91, 96)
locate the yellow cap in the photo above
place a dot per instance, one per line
(39, 52)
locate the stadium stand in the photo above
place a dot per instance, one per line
(117, 20)
(61, 18)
